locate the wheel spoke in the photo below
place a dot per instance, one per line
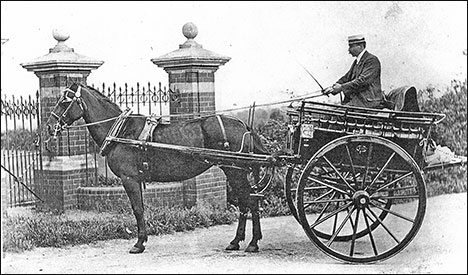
(351, 163)
(324, 195)
(325, 201)
(328, 185)
(330, 241)
(381, 171)
(374, 247)
(318, 200)
(338, 173)
(381, 201)
(310, 188)
(392, 212)
(331, 214)
(353, 241)
(383, 225)
(350, 220)
(393, 181)
(395, 197)
(369, 154)
(336, 216)
(324, 208)
(399, 188)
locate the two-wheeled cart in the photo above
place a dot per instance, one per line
(356, 185)
(355, 176)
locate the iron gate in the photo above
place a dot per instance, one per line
(20, 151)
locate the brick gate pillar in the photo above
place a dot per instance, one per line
(191, 70)
(64, 169)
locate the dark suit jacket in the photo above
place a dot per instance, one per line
(361, 84)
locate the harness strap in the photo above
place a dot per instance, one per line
(146, 135)
(223, 130)
(150, 125)
(114, 131)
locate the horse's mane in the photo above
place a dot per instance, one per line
(94, 92)
(98, 94)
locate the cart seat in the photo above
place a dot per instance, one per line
(403, 99)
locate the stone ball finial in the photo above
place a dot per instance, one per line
(190, 30)
(60, 35)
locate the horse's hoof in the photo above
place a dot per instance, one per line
(251, 248)
(137, 250)
(233, 247)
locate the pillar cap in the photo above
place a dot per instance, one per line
(190, 53)
(62, 58)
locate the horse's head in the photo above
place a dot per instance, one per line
(69, 108)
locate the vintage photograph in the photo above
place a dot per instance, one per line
(229, 137)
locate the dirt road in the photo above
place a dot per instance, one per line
(439, 247)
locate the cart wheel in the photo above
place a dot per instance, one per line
(290, 187)
(345, 193)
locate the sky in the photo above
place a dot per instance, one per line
(418, 43)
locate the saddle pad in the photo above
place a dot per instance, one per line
(115, 130)
(151, 123)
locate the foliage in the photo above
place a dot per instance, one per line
(261, 116)
(73, 228)
(106, 181)
(274, 135)
(451, 131)
(18, 140)
(447, 181)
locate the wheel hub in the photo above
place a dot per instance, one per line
(361, 199)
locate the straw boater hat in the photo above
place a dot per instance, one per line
(358, 38)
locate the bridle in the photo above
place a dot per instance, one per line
(68, 96)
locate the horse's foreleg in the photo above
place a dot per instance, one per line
(256, 229)
(240, 233)
(133, 189)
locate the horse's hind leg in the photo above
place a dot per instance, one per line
(241, 192)
(133, 189)
(256, 229)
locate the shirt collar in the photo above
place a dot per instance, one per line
(358, 58)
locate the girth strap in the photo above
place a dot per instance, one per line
(146, 135)
(223, 130)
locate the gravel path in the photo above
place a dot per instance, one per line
(439, 247)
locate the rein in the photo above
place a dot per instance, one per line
(206, 112)
(92, 123)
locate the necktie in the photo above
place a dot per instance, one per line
(354, 69)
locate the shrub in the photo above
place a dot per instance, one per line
(450, 132)
(78, 227)
(18, 140)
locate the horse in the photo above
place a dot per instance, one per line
(125, 161)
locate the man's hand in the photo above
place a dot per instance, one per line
(328, 90)
(337, 88)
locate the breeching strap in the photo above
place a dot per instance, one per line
(223, 130)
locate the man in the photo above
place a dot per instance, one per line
(361, 84)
